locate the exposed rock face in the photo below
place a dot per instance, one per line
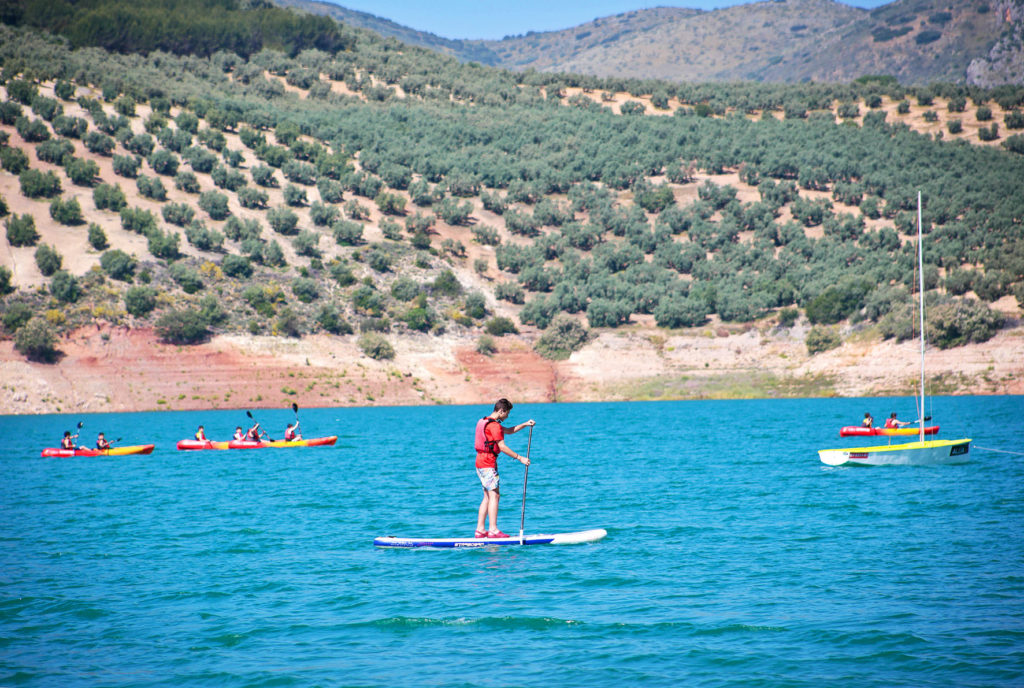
(1005, 62)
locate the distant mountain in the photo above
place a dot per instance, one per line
(917, 41)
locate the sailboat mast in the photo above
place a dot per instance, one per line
(920, 275)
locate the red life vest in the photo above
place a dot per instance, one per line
(481, 443)
(289, 434)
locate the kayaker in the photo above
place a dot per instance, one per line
(892, 422)
(868, 421)
(488, 442)
(201, 434)
(239, 435)
(101, 442)
(254, 433)
(291, 433)
(68, 441)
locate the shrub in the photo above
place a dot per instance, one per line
(32, 130)
(98, 143)
(118, 264)
(249, 197)
(485, 345)
(961, 321)
(511, 292)
(446, 284)
(138, 220)
(5, 280)
(347, 232)
(329, 319)
(36, 341)
(55, 151)
(14, 160)
(499, 326)
(97, 237)
(163, 244)
(263, 175)
(16, 315)
(305, 289)
(127, 165)
(65, 287)
(21, 230)
(215, 204)
(182, 326)
(476, 306)
(954, 126)
(562, 337)
(822, 339)
(295, 196)
(283, 221)
(186, 181)
(36, 184)
(186, 277)
(178, 213)
(151, 187)
(679, 311)
(109, 197)
(164, 162)
(48, 260)
(236, 266)
(376, 347)
(203, 238)
(140, 301)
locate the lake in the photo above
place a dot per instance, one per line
(733, 555)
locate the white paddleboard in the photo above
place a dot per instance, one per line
(576, 538)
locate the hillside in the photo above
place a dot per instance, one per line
(389, 226)
(917, 41)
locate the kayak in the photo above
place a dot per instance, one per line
(113, 451)
(576, 538)
(190, 445)
(861, 431)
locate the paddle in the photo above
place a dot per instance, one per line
(526, 475)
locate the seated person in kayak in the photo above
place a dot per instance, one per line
(254, 433)
(291, 433)
(239, 435)
(489, 442)
(101, 442)
(892, 422)
(68, 441)
(868, 421)
(201, 434)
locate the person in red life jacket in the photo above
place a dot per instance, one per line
(489, 442)
(201, 434)
(254, 433)
(101, 442)
(291, 433)
(891, 421)
(68, 441)
(239, 435)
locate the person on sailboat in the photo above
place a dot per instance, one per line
(868, 421)
(489, 441)
(892, 422)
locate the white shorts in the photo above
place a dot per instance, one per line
(488, 478)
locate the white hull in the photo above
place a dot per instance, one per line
(929, 453)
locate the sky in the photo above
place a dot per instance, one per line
(495, 19)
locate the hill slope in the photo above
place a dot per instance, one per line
(918, 41)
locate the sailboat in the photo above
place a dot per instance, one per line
(922, 452)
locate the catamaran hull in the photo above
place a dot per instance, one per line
(929, 453)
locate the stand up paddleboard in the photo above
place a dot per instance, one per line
(576, 538)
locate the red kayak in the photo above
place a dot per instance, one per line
(861, 431)
(113, 451)
(191, 445)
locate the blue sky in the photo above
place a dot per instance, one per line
(494, 19)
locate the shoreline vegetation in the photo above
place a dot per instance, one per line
(371, 223)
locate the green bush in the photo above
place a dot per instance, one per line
(99, 143)
(182, 326)
(376, 347)
(109, 197)
(65, 287)
(485, 345)
(164, 162)
(288, 323)
(180, 214)
(82, 172)
(16, 315)
(499, 326)
(126, 166)
(215, 204)
(140, 301)
(305, 289)
(97, 237)
(36, 341)
(331, 320)
(961, 321)
(13, 160)
(236, 266)
(186, 277)
(36, 184)
(562, 337)
(118, 265)
(679, 311)
(203, 238)
(347, 233)
(307, 243)
(21, 230)
(446, 284)
(822, 339)
(186, 181)
(476, 305)
(5, 280)
(48, 260)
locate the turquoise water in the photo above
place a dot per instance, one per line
(733, 555)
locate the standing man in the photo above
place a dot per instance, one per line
(489, 442)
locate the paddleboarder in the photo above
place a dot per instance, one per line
(489, 441)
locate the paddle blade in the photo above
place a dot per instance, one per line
(249, 413)
(79, 425)
(295, 408)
